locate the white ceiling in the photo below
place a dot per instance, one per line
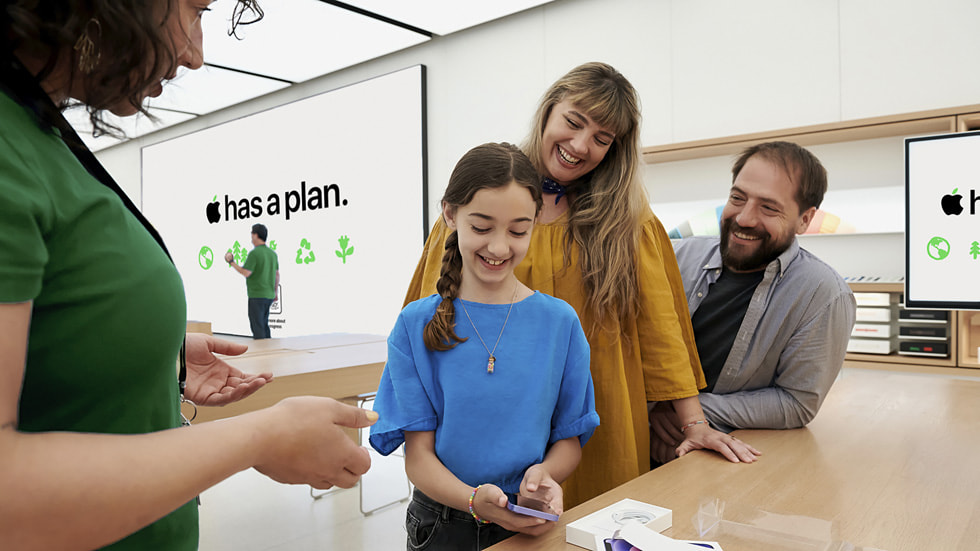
(296, 41)
(211, 88)
(301, 39)
(444, 17)
(136, 125)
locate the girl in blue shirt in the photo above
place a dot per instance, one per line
(493, 405)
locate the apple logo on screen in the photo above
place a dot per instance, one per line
(214, 215)
(951, 203)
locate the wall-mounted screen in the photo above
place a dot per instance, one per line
(338, 179)
(942, 222)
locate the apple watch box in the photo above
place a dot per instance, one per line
(586, 531)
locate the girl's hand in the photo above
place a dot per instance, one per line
(490, 503)
(539, 485)
(703, 437)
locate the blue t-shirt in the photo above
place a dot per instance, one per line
(489, 427)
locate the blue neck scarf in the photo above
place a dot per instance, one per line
(550, 186)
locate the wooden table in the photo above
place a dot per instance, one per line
(336, 365)
(892, 459)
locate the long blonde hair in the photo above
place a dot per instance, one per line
(487, 166)
(605, 207)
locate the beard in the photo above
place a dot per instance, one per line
(768, 250)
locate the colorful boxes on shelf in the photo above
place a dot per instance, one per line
(876, 327)
(883, 326)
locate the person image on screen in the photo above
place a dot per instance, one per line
(463, 363)
(93, 314)
(771, 320)
(598, 247)
(261, 271)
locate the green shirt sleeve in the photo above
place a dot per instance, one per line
(250, 262)
(23, 211)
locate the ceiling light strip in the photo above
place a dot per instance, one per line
(379, 17)
(250, 73)
(172, 110)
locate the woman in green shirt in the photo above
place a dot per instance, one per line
(92, 309)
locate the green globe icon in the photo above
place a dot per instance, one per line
(205, 257)
(938, 248)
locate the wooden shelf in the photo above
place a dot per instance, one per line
(951, 119)
(914, 368)
(901, 359)
(958, 340)
(880, 287)
(968, 339)
(967, 122)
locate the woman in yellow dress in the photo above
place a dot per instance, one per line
(598, 247)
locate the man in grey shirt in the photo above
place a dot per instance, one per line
(771, 320)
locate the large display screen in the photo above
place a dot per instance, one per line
(942, 222)
(338, 179)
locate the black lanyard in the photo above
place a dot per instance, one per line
(17, 81)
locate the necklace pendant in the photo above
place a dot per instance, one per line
(490, 364)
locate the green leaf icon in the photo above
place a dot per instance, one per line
(344, 250)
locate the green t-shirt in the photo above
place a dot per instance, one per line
(109, 312)
(263, 263)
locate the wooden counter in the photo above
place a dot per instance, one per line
(336, 365)
(891, 458)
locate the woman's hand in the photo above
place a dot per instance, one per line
(307, 445)
(210, 380)
(703, 437)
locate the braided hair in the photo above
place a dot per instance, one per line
(487, 166)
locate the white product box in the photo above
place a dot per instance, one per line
(875, 299)
(876, 314)
(872, 346)
(875, 330)
(588, 530)
(647, 540)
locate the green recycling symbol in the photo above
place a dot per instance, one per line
(310, 257)
(205, 257)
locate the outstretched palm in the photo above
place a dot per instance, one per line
(211, 381)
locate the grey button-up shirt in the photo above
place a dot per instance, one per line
(790, 346)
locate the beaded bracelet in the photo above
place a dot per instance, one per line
(472, 511)
(693, 423)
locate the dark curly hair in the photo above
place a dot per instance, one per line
(132, 41)
(802, 167)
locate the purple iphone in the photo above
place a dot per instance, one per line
(534, 508)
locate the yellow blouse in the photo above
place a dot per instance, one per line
(652, 358)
